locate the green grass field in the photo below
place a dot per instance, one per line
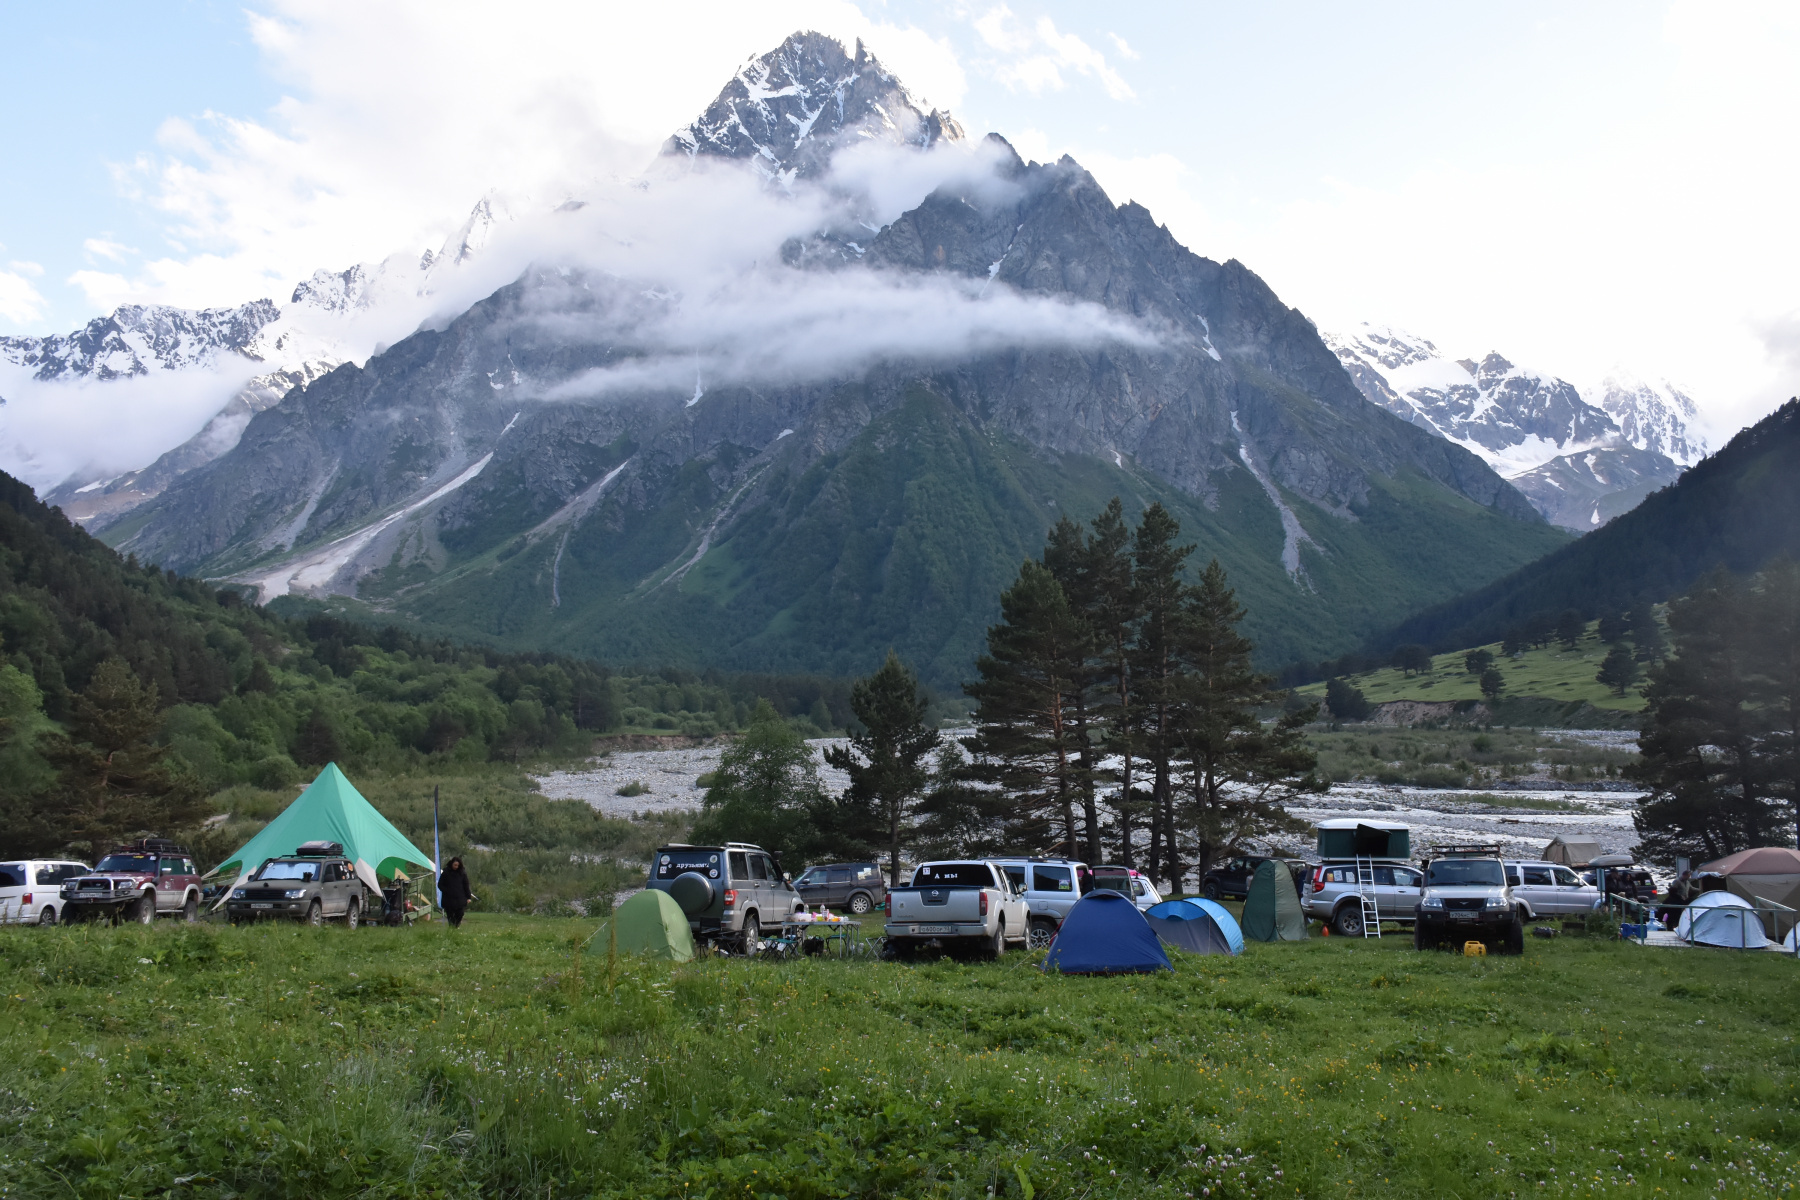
(1551, 674)
(490, 1061)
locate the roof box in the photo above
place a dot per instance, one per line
(320, 850)
(1350, 838)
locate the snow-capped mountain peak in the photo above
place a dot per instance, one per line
(141, 339)
(1654, 416)
(788, 110)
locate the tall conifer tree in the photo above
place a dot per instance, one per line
(1156, 664)
(1025, 740)
(887, 760)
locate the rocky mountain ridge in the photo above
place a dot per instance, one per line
(1580, 458)
(490, 477)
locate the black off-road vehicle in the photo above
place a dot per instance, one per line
(315, 884)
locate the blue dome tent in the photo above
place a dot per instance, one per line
(1105, 934)
(1197, 926)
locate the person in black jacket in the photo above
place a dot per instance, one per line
(454, 892)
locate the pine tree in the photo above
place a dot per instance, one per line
(1620, 670)
(1346, 702)
(1493, 683)
(1238, 772)
(1570, 627)
(1647, 633)
(1706, 754)
(1025, 741)
(1477, 661)
(112, 782)
(1155, 665)
(887, 760)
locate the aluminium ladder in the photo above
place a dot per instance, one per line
(1365, 892)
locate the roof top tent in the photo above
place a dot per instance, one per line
(1571, 853)
(1353, 838)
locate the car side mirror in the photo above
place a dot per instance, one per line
(787, 878)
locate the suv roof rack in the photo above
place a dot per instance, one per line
(744, 846)
(1468, 852)
(154, 845)
(320, 850)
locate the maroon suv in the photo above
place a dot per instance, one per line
(136, 883)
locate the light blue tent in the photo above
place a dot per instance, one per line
(1198, 926)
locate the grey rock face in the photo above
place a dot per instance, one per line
(1584, 491)
(1653, 416)
(789, 110)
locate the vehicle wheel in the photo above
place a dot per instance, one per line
(861, 903)
(752, 935)
(1348, 921)
(190, 912)
(897, 950)
(1421, 941)
(316, 914)
(353, 915)
(145, 912)
(48, 916)
(997, 949)
(1515, 938)
(1040, 935)
(1211, 890)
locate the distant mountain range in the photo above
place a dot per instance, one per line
(1581, 459)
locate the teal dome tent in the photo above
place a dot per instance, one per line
(330, 810)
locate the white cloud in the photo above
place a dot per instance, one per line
(1123, 47)
(20, 302)
(401, 114)
(27, 268)
(1038, 56)
(105, 247)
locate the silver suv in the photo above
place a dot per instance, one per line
(730, 893)
(1331, 894)
(315, 884)
(1051, 887)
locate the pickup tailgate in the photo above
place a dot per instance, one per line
(935, 910)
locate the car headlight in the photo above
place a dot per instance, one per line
(1432, 902)
(295, 893)
(239, 893)
(1496, 902)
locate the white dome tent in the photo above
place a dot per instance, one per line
(1722, 919)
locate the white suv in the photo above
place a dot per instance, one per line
(1051, 887)
(31, 890)
(1330, 894)
(1546, 888)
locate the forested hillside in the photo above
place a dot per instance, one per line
(1738, 509)
(203, 692)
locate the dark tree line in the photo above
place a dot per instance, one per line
(1117, 704)
(1721, 740)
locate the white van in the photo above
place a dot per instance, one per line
(31, 889)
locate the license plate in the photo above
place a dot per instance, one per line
(934, 929)
(262, 906)
(1462, 916)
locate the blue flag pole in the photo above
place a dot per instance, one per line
(437, 851)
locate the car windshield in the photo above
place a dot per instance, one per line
(145, 863)
(289, 870)
(953, 874)
(1465, 872)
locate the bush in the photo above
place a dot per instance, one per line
(636, 787)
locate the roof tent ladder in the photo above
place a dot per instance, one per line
(1365, 892)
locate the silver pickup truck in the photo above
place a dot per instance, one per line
(957, 906)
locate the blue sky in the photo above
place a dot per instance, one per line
(1575, 185)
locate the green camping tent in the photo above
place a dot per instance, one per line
(330, 810)
(651, 924)
(1272, 909)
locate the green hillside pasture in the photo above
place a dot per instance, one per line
(277, 1061)
(1564, 676)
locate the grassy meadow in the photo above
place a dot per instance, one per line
(493, 1061)
(1553, 673)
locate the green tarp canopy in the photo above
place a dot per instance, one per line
(330, 810)
(1272, 909)
(650, 924)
